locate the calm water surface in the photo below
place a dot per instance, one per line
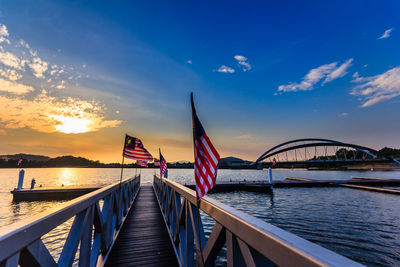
(361, 225)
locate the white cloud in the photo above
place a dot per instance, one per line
(328, 72)
(48, 114)
(4, 34)
(386, 34)
(10, 74)
(14, 87)
(11, 60)
(189, 62)
(375, 89)
(245, 136)
(3, 30)
(61, 85)
(243, 62)
(225, 69)
(3, 39)
(38, 67)
(339, 72)
(343, 114)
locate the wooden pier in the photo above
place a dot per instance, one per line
(144, 238)
(127, 224)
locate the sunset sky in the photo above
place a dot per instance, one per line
(75, 76)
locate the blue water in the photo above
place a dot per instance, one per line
(361, 225)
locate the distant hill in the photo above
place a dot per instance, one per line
(233, 162)
(25, 156)
(71, 161)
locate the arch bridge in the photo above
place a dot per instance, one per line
(317, 151)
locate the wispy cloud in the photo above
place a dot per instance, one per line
(39, 110)
(14, 87)
(49, 114)
(325, 73)
(3, 34)
(343, 114)
(11, 60)
(10, 74)
(375, 89)
(225, 69)
(245, 136)
(386, 34)
(189, 62)
(243, 62)
(38, 67)
(18, 59)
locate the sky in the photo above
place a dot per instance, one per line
(76, 76)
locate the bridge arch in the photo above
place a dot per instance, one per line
(305, 143)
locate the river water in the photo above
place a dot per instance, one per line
(361, 225)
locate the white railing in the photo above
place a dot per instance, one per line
(249, 241)
(98, 218)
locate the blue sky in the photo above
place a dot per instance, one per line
(262, 73)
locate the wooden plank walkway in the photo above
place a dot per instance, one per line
(143, 240)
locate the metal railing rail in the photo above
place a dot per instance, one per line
(249, 241)
(95, 228)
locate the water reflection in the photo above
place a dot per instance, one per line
(67, 176)
(364, 226)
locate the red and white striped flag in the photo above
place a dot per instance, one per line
(134, 149)
(206, 158)
(142, 163)
(163, 166)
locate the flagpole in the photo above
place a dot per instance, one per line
(122, 168)
(199, 232)
(200, 250)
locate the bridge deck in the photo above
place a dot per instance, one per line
(143, 240)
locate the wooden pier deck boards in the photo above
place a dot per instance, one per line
(143, 240)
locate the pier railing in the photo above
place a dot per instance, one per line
(249, 241)
(98, 217)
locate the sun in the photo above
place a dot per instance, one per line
(72, 124)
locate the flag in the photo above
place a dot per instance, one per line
(134, 149)
(163, 167)
(156, 163)
(273, 162)
(19, 161)
(142, 163)
(206, 158)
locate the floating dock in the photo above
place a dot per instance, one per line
(256, 186)
(70, 192)
(52, 193)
